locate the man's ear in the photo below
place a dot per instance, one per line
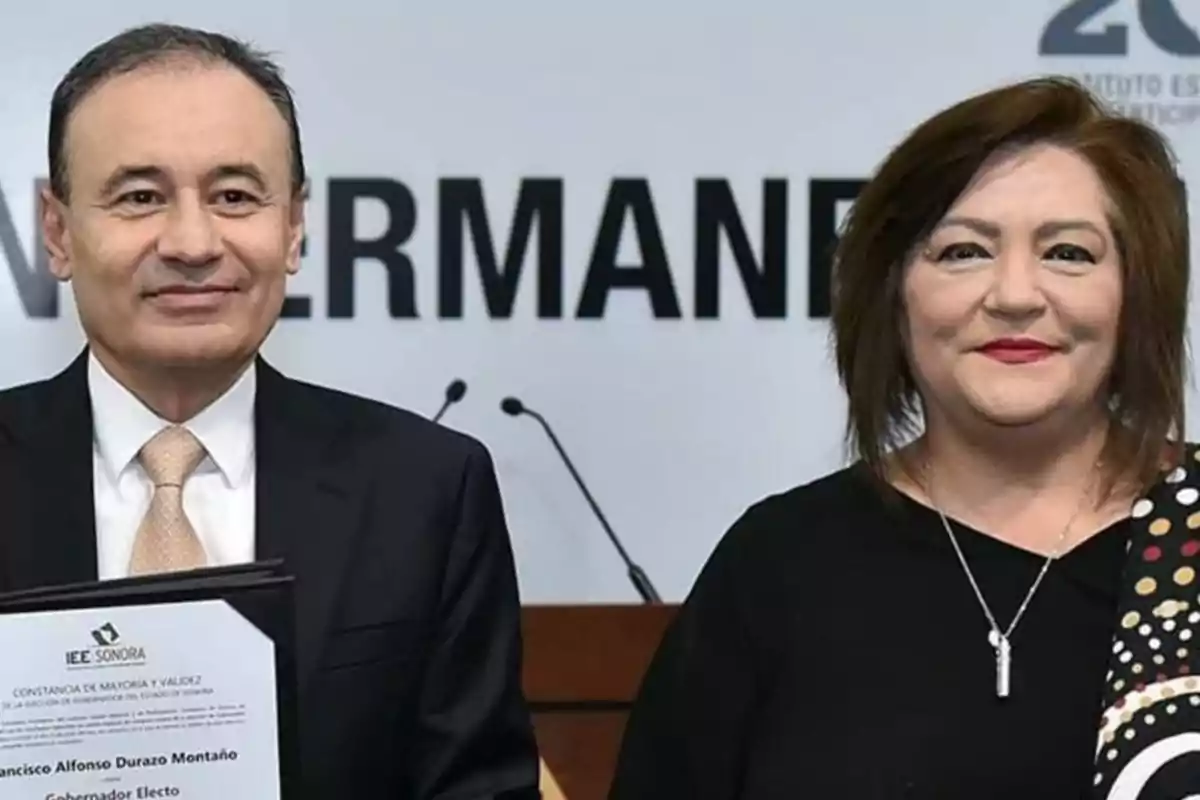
(52, 215)
(296, 217)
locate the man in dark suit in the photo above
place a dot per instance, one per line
(175, 210)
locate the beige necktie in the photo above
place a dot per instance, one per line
(166, 541)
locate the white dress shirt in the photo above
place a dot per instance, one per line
(219, 496)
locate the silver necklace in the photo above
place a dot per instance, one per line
(1001, 641)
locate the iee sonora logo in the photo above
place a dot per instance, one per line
(108, 651)
(1078, 31)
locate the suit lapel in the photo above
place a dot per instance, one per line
(55, 542)
(308, 495)
(308, 501)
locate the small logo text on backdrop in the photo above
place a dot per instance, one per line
(1084, 34)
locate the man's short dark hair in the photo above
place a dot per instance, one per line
(150, 44)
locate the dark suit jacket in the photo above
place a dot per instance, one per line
(408, 645)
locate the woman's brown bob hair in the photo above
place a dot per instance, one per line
(916, 185)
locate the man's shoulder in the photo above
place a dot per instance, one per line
(22, 403)
(22, 394)
(395, 428)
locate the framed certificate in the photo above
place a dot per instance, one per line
(172, 686)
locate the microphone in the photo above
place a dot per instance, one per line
(637, 576)
(454, 393)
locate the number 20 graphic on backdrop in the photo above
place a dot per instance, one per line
(1159, 19)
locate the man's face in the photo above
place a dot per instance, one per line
(181, 224)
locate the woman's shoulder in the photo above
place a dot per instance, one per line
(1180, 469)
(1176, 486)
(807, 515)
(785, 547)
(1189, 458)
(832, 498)
(831, 493)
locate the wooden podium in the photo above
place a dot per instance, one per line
(583, 665)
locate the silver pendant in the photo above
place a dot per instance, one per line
(1003, 648)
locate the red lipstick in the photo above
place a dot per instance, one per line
(1017, 350)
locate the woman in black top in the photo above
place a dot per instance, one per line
(1003, 605)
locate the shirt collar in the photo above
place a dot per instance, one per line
(123, 424)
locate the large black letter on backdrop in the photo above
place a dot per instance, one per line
(824, 194)
(1065, 34)
(36, 288)
(765, 283)
(345, 250)
(539, 200)
(653, 274)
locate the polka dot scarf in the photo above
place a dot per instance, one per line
(1149, 741)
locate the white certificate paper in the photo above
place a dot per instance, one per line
(170, 700)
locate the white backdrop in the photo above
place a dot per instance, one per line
(678, 424)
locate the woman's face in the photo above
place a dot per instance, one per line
(1014, 300)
